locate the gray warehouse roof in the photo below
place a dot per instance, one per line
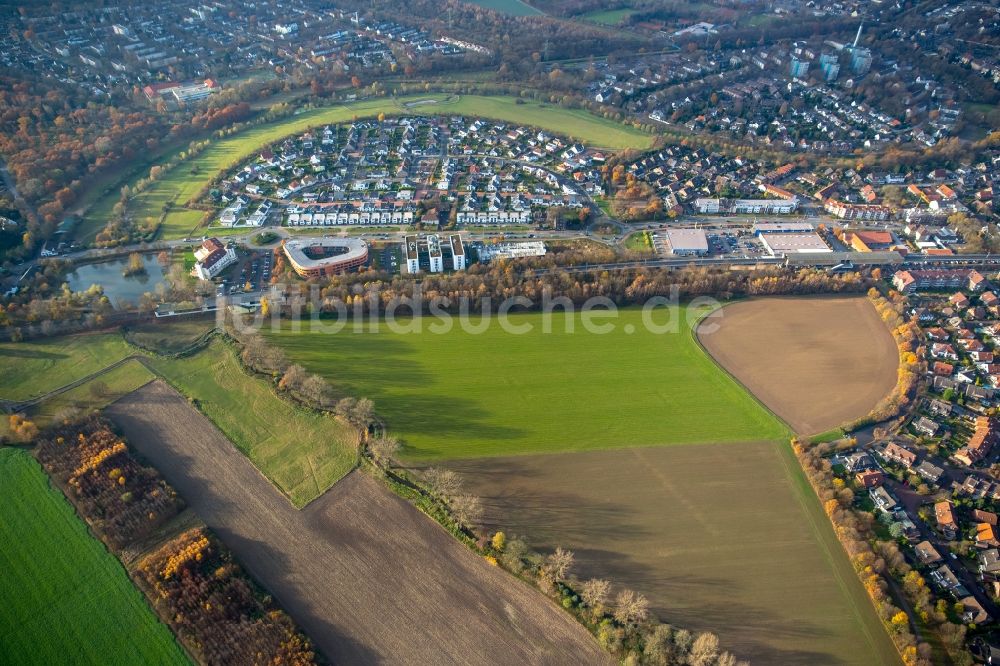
(687, 240)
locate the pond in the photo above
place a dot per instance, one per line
(120, 290)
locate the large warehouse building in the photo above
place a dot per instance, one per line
(316, 257)
(687, 242)
(783, 244)
(783, 228)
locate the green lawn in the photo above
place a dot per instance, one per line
(608, 17)
(512, 7)
(180, 185)
(174, 335)
(63, 598)
(95, 394)
(181, 223)
(302, 452)
(465, 395)
(33, 368)
(640, 241)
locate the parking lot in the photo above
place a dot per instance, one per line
(251, 273)
(729, 243)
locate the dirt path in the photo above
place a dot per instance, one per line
(815, 362)
(367, 576)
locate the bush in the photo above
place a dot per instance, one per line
(122, 499)
(214, 607)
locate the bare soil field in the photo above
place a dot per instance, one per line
(368, 577)
(725, 538)
(815, 362)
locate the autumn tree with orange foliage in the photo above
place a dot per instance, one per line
(216, 609)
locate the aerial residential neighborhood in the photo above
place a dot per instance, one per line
(500, 331)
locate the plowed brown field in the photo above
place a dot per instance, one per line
(368, 577)
(815, 362)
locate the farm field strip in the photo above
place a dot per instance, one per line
(367, 576)
(721, 537)
(535, 393)
(95, 394)
(179, 184)
(746, 518)
(303, 452)
(799, 359)
(63, 597)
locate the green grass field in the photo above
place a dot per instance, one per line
(608, 17)
(511, 7)
(33, 368)
(711, 518)
(303, 453)
(63, 598)
(180, 185)
(114, 384)
(170, 337)
(465, 395)
(640, 241)
(181, 223)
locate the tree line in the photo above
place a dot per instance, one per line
(485, 287)
(620, 618)
(879, 564)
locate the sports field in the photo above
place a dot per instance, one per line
(302, 452)
(180, 185)
(496, 393)
(63, 598)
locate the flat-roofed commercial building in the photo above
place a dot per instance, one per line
(489, 252)
(783, 228)
(432, 252)
(317, 257)
(781, 244)
(764, 206)
(687, 242)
